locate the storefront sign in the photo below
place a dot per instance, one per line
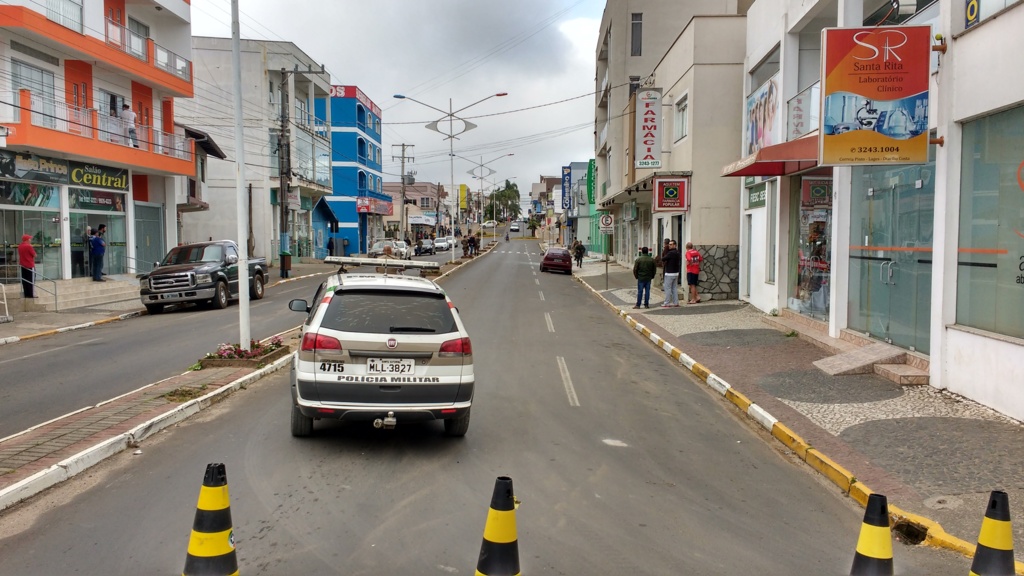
(757, 196)
(354, 92)
(32, 167)
(591, 168)
(802, 112)
(566, 187)
(764, 109)
(647, 153)
(874, 105)
(367, 205)
(80, 199)
(971, 13)
(671, 195)
(29, 194)
(95, 176)
(816, 192)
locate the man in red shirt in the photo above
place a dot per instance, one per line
(693, 261)
(27, 258)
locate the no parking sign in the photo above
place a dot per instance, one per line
(607, 223)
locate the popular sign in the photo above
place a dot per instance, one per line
(647, 152)
(874, 105)
(566, 187)
(671, 195)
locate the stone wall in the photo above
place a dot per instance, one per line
(719, 274)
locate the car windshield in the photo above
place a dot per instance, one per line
(193, 254)
(389, 312)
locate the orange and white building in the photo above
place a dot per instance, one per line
(67, 158)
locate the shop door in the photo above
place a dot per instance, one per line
(149, 237)
(890, 258)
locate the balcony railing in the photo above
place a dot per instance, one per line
(126, 41)
(55, 115)
(802, 112)
(10, 111)
(171, 62)
(67, 13)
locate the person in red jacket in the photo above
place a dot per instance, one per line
(27, 258)
(693, 261)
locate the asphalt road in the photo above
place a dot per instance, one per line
(624, 465)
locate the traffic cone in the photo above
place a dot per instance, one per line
(499, 553)
(211, 549)
(994, 555)
(874, 546)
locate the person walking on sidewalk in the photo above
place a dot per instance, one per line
(693, 261)
(578, 251)
(27, 259)
(644, 271)
(672, 261)
(98, 247)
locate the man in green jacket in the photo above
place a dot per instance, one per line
(644, 271)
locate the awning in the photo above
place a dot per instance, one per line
(778, 160)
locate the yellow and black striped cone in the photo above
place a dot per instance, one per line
(499, 553)
(211, 549)
(994, 555)
(874, 546)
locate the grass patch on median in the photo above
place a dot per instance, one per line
(185, 393)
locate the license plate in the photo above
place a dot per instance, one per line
(390, 366)
(167, 296)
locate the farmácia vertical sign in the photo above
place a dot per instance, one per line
(874, 104)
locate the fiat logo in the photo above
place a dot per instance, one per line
(392, 343)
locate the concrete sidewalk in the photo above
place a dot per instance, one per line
(935, 455)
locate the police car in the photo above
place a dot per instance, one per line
(383, 348)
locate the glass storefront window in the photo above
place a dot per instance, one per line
(813, 205)
(990, 263)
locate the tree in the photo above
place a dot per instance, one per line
(533, 225)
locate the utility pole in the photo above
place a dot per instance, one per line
(284, 157)
(401, 213)
(241, 206)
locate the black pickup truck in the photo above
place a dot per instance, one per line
(206, 272)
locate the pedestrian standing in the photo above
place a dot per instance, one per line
(129, 118)
(672, 261)
(644, 271)
(102, 228)
(98, 247)
(693, 261)
(27, 259)
(578, 251)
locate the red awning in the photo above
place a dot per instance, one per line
(778, 160)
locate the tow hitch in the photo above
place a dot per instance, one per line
(388, 422)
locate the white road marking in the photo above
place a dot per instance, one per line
(613, 442)
(50, 350)
(537, 280)
(551, 325)
(567, 381)
(541, 295)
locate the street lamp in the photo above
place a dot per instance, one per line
(482, 165)
(450, 135)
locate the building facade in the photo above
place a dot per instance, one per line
(928, 257)
(281, 85)
(71, 161)
(421, 208)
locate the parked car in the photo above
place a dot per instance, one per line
(205, 272)
(402, 250)
(426, 246)
(384, 349)
(442, 244)
(489, 224)
(377, 250)
(556, 258)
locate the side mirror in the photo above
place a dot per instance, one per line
(231, 259)
(156, 265)
(298, 305)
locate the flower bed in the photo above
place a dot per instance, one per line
(259, 354)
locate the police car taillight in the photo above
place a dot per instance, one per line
(313, 342)
(457, 347)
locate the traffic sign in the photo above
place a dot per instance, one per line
(607, 223)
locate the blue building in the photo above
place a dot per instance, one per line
(354, 214)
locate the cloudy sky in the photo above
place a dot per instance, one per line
(541, 52)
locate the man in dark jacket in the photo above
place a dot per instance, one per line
(644, 271)
(672, 260)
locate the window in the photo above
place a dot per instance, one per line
(40, 83)
(389, 312)
(682, 117)
(424, 202)
(634, 84)
(990, 263)
(636, 34)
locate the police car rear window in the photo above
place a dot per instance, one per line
(389, 312)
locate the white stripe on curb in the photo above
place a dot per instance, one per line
(717, 384)
(762, 416)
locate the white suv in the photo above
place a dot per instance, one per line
(384, 349)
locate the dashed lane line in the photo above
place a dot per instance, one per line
(567, 382)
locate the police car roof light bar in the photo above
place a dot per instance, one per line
(384, 262)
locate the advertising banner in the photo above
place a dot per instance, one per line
(874, 104)
(95, 176)
(32, 167)
(566, 187)
(764, 108)
(647, 149)
(671, 195)
(362, 205)
(29, 194)
(591, 168)
(463, 196)
(815, 192)
(80, 199)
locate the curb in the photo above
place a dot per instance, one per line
(93, 455)
(935, 535)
